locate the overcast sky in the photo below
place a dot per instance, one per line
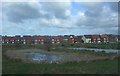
(59, 18)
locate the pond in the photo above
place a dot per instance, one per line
(41, 56)
(106, 50)
(47, 58)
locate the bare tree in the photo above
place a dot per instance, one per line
(48, 43)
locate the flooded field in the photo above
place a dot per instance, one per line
(41, 56)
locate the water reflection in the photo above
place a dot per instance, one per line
(46, 58)
(106, 50)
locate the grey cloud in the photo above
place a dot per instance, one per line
(57, 9)
(18, 12)
(98, 17)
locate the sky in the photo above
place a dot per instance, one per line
(59, 18)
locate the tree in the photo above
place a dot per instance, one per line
(48, 43)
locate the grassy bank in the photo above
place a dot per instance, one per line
(14, 67)
(99, 67)
(98, 46)
(55, 48)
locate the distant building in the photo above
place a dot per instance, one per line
(27, 39)
(86, 38)
(39, 39)
(95, 39)
(66, 39)
(55, 39)
(113, 38)
(71, 39)
(104, 38)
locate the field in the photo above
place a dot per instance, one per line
(16, 67)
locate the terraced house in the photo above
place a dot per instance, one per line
(66, 39)
(39, 39)
(104, 38)
(95, 39)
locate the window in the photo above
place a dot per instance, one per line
(35, 42)
(42, 42)
(71, 37)
(52, 42)
(98, 38)
(24, 42)
(52, 39)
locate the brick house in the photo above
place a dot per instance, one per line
(5, 39)
(77, 39)
(27, 39)
(71, 39)
(65, 39)
(95, 39)
(104, 38)
(80, 39)
(17, 39)
(113, 38)
(39, 39)
(55, 39)
(12, 40)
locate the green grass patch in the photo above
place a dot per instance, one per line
(99, 67)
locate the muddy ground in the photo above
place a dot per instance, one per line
(42, 56)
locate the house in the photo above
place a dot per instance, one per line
(113, 38)
(39, 39)
(80, 39)
(17, 39)
(27, 39)
(5, 39)
(86, 38)
(71, 39)
(65, 39)
(104, 38)
(55, 39)
(12, 40)
(95, 39)
(77, 39)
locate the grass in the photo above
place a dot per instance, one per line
(99, 46)
(16, 67)
(99, 67)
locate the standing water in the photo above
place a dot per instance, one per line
(106, 50)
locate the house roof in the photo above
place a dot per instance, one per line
(95, 36)
(87, 36)
(39, 37)
(103, 36)
(55, 37)
(66, 36)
